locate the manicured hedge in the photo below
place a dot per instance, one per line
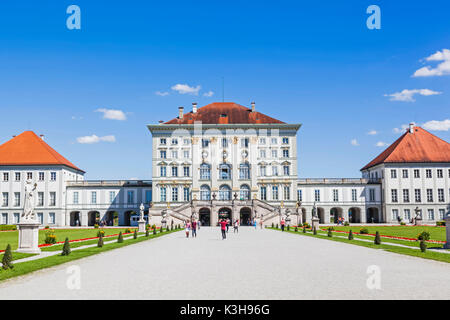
(7, 227)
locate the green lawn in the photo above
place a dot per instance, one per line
(17, 255)
(12, 237)
(436, 233)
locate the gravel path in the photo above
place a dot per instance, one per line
(254, 264)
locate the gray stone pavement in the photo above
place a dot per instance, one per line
(254, 264)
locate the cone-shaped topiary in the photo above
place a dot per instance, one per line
(314, 231)
(330, 234)
(135, 234)
(423, 246)
(147, 233)
(296, 229)
(66, 248)
(161, 229)
(120, 237)
(350, 235)
(167, 229)
(304, 229)
(377, 238)
(154, 230)
(7, 258)
(100, 241)
(273, 226)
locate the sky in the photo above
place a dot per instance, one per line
(92, 91)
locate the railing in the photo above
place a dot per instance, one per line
(338, 181)
(91, 183)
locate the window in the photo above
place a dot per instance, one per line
(429, 195)
(262, 153)
(163, 154)
(5, 199)
(372, 195)
(148, 196)
(285, 153)
(417, 195)
(299, 195)
(317, 195)
(430, 214)
(186, 171)
(174, 171)
(186, 194)
(75, 197)
(52, 199)
(163, 171)
(205, 143)
(5, 176)
(274, 154)
(40, 199)
(112, 196)
(416, 173)
(163, 192)
(186, 141)
(274, 141)
(354, 195)
(205, 171)
(41, 176)
(163, 141)
(17, 176)
(52, 176)
(335, 195)
(263, 193)
(287, 193)
(224, 193)
(224, 172)
(286, 170)
(244, 171)
(428, 173)
(262, 140)
(130, 196)
(441, 214)
(441, 195)
(394, 214)
(175, 154)
(440, 174)
(245, 142)
(51, 218)
(405, 195)
(393, 174)
(407, 214)
(262, 171)
(224, 143)
(274, 192)
(29, 175)
(186, 154)
(405, 173)
(174, 141)
(16, 199)
(205, 193)
(174, 194)
(394, 197)
(274, 170)
(4, 218)
(16, 218)
(244, 192)
(285, 140)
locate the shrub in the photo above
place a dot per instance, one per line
(423, 246)
(350, 235)
(66, 248)
(154, 227)
(346, 223)
(161, 229)
(50, 237)
(135, 234)
(120, 237)
(377, 238)
(147, 233)
(127, 230)
(46, 227)
(304, 229)
(403, 223)
(154, 230)
(96, 226)
(8, 227)
(167, 229)
(100, 232)
(306, 224)
(440, 223)
(330, 232)
(147, 227)
(273, 226)
(296, 229)
(100, 241)
(314, 231)
(364, 231)
(287, 228)
(423, 236)
(7, 258)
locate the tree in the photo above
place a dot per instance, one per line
(7, 258)
(147, 233)
(350, 235)
(100, 241)
(377, 238)
(135, 234)
(66, 248)
(154, 230)
(161, 229)
(120, 237)
(304, 229)
(330, 234)
(423, 246)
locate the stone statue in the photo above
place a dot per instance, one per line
(28, 207)
(314, 213)
(141, 208)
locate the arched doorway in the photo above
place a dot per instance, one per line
(111, 218)
(321, 215)
(225, 213)
(75, 219)
(372, 215)
(335, 214)
(204, 215)
(245, 217)
(354, 215)
(303, 213)
(127, 218)
(93, 218)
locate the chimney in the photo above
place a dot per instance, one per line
(161, 121)
(180, 112)
(42, 136)
(253, 106)
(411, 127)
(194, 107)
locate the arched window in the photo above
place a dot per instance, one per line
(244, 171)
(205, 193)
(245, 192)
(205, 171)
(225, 172)
(224, 193)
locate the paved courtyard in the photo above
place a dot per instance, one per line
(253, 264)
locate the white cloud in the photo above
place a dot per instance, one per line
(184, 88)
(372, 132)
(162, 94)
(354, 142)
(435, 125)
(381, 144)
(112, 114)
(95, 139)
(408, 95)
(402, 128)
(442, 68)
(208, 94)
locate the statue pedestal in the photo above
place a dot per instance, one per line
(315, 223)
(447, 228)
(164, 224)
(28, 237)
(418, 221)
(141, 224)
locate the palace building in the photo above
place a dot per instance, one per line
(227, 160)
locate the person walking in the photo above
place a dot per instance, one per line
(228, 224)
(261, 223)
(254, 223)
(194, 229)
(282, 225)
(223, 228)
(187, 227)
(236, 226)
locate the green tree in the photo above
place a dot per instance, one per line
(350, 235)
(154, 230)
(161, 229)
(120, 237)
(423, 246)
(304, 229)
(66, 248)
(135, 234)
(100, 241)
(330, 233)
(377, 238)
(147, 233)
(7, 258)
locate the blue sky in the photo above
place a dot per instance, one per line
(314, 63)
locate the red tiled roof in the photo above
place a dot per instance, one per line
(416, 147)
(29, 149)
(224, 113)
